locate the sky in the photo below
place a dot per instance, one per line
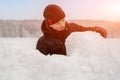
(74, 9)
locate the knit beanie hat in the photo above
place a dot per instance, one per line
(53, 14)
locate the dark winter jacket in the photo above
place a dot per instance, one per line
(53, 42)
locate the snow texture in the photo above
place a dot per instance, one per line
(90, 57)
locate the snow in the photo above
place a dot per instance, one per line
(90, 57)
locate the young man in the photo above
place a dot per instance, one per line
(55, 31)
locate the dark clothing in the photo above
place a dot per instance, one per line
(53, 42)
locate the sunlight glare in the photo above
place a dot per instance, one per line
(116, 9)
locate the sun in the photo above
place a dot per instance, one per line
(112, 12)
(115, 9)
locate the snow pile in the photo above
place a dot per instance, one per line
(98, 58)
(90, 57)
(83, 40)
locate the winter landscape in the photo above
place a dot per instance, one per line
(90, 56)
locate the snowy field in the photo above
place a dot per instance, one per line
(90, 57)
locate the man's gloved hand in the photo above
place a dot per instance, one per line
(100, 30)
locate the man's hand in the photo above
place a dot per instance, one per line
(101, 30)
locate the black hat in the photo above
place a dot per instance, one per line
(53, 14)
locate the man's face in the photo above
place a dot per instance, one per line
(59, 26)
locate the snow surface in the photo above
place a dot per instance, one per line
(90, 57)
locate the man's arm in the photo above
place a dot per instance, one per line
(76, 27)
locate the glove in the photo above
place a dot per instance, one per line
(101, 30)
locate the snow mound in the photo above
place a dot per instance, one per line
(93, 58)
(81, 41)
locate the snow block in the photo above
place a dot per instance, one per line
(82, 40)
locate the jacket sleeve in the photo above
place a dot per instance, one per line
(75, 27)
(41, 46)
